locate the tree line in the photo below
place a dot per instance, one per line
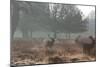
(47, 17)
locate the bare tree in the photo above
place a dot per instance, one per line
(67, 19)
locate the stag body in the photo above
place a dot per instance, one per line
(88, 44)
(48, 46)
(50, 42)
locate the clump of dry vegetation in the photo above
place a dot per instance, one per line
(26, 52)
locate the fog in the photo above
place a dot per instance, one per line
(36, 19)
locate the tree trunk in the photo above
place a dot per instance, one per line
(55, 35)
(25, 34)
(14, 16)
(30, 34)
(66, 36)
(69, 35)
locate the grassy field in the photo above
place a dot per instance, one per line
(26, 52)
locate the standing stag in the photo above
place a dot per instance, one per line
(49, 43)
(88, 44)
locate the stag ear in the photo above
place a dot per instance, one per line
(49, 36)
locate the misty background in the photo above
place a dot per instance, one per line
(40, 20)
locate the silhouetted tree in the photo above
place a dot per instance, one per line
(36, 21)
(16, 7)
(68, 19)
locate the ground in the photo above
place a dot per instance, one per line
(26, 52)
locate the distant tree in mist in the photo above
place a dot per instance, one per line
(14, 16)
(16, 7)
(92, 22)
(68, 19)
(36, 21)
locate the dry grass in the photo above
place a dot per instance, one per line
(26, 52)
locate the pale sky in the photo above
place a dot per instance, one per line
(86, 9)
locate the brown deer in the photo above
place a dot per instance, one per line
(49, 43)
(88, 44)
